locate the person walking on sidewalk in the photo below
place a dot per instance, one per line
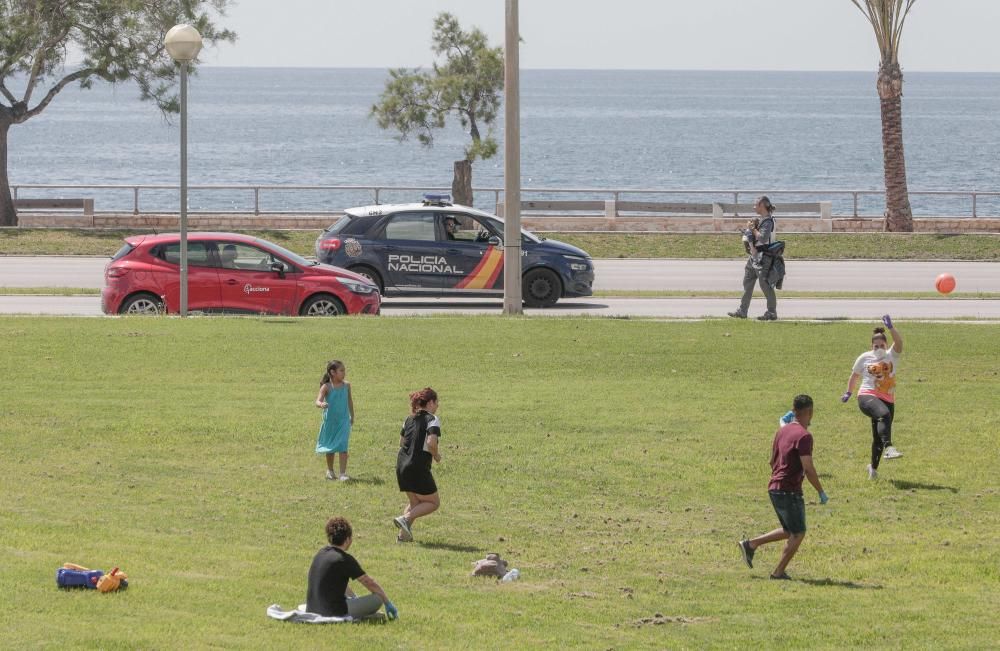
(877, 397)
(759, 234)
(791, 460)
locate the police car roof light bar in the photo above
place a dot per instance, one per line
(436, 199)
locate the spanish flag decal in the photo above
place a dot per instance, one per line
(486, 272)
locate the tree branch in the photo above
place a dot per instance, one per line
(6, 93)
(68, 79)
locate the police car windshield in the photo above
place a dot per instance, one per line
(498, 227)
(294, 257)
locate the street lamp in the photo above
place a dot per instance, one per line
(183, 42)
(512, 166)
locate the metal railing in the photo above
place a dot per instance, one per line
(971, 198)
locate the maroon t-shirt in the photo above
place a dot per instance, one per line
(790, 443)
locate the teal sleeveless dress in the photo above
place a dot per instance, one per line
(336, 429)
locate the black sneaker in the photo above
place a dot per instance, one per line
(736, 314)
(780, 577)
(768, 316)
(747, 553)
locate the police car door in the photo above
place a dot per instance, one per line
(409, 255)
(473, 253)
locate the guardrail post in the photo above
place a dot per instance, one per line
(855, 204)
(15, 193)
(973, 205)
(826, 216)
(376, 196)
(611, 213)
(736, 202)
(256, 201)
(135, 200)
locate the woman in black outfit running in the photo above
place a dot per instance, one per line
(418, 447)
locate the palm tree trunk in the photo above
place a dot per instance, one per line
(898, 215)
(8, 214)
(461, 183)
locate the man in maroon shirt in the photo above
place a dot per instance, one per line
(791, 459)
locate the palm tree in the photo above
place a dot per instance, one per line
(887, 18)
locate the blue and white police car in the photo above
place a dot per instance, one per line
(437, 249)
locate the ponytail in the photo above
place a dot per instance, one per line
(879, 333)
(419, 399)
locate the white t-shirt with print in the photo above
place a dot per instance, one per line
(878, 376)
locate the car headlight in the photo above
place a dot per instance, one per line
(577, 263)
(358, 288)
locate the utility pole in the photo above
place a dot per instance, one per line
(512, 166)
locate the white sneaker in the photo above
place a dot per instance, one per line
(330, 475)
(405, 534)
(872, 473)
(344, 478)
(892, 453)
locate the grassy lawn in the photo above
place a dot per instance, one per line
(69, 241)
(614, 462)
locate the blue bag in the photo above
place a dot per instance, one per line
(66, 578)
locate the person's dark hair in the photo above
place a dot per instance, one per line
(763, 199)
(419, 399)
(879, 333)
(338, 530)
(331, 366)
(800, 402)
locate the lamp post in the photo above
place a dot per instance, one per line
(512, 166)
(183, 43)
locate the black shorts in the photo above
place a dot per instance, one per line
(791, 510)
(415, 480)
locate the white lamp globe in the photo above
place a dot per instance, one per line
(183, 42)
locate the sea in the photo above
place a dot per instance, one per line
(580, 129)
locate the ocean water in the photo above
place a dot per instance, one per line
(754, 131)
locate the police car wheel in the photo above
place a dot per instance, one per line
(323, 305)
(370, 274)
(142, 303)
(541, 288)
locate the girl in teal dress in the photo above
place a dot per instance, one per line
(338, 415)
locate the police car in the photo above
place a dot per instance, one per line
(437, 249)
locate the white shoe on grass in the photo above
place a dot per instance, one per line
(892, 453)
(344, 478)
(405, 534)
(872, 473)
(330, 475)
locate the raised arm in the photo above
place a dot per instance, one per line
(897, 340)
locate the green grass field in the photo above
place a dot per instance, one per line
(819, 246)
(614, 462)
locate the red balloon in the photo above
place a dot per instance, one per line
(945, 283)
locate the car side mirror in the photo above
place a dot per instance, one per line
(495, 240)
(278, 268)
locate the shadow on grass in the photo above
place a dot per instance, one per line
(904, 485)
(451, 547)
(840, 584)
(374, 481)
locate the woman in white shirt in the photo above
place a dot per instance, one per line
(876, 369)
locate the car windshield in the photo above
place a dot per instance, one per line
(294, 257)
(498, 225)
(122, 252)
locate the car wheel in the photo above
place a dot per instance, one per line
(541, 288)
(323, 305)
(144, 303)
(370, 274)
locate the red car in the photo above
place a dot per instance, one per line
(230, 273)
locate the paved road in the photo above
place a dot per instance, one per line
(649, 307)
(710, 275)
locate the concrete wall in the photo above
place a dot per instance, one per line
(673, 224)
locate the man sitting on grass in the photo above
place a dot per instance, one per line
(791, 459)
(331, 569)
